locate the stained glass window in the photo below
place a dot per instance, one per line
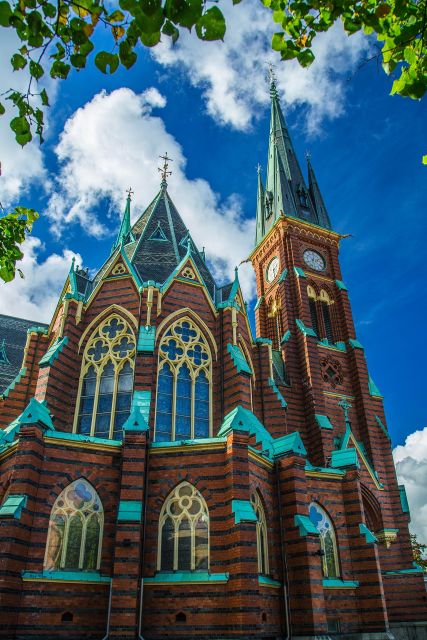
(107, 380)
(261, 532)
(328, 543)
(184, 384)
(75, 529)
(184, 531)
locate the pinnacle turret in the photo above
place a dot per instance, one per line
(125, 233)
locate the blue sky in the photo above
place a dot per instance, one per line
(211, 109)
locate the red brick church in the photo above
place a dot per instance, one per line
(165, 473)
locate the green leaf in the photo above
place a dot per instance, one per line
(49, 10)
(126, 54)
(150, 7)
(78, 60)
(278, 41)
(184, 12)
(424, 159)
(35, 22)
(18, 61)
(60, 70)
(150, 39)
(107, 62)
(2, 109)
(36, 69)
(211, 26)
(305, 58)
(116, 17)
(44, 98)
(20, 125)
(5, 14)
(169, 29)
(23, 138)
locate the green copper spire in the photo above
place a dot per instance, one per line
(259, 209)
(125, 234)
(316, 197)
(286, 192)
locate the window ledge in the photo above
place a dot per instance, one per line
(265, 581)
(337, 583)
(65, 576)
(187, 577)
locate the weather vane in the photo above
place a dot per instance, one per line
(130, 193)
(164, 171)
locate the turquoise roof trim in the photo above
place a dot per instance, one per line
(276, 390)
(397, 572)
(239, 359)
(345, 458)
(290, 443)
(327, 470)
(355, 344)
(14, 382)
(129, 511)
(305, 526)
(404, 499)
(241, 419)
(53, 352)
(268, 582)
(37, 329)
(158, 234)
(243, 511)
(307, 331)
(382, 426)
(373, 389)
(259, 302)
(300, 272)
(187, 576)
(323, 421)
(35, 411)
(369, 536)
(340, 284)
(283, 276)
(337, 583)
(146, 339)
(65, 576)
(78, 437)
(189, 442)
(13, 505)
(338, 346)
(177, 270)
(285, 337)
(139, 285)
(263, 341)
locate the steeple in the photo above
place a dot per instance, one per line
(259, 209)
(125, 233)
(286, 192)
(316, 197)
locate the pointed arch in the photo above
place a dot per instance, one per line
(328, 540)
(76, 523)
(188, 314)
(261, 533)
(184, 383)
(114, 308)
(183, 538)
(106, 379)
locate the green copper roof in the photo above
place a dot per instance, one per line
(239, 359)
(53, 352)
(125, 234)
(13, 505)
(243, 511)
(285, 189)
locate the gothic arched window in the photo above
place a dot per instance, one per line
(328, 541)
(261, 534)
(184, 531)
(313, 309)
(274, 321)
(325, 303)
(106, 382)
(183, 408)
(75, 529)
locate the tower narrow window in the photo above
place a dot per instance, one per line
(313, 309)
(261, 534)
(183, 408)
(105, 394)
(184, 531)
(274, 322)
(75, 529)
(326, 302)
(328, 542)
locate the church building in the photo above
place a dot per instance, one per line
(166, 473)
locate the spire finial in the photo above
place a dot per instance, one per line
(164, 171)
(308, 155)
(130, 193)
(272, 80)
(345, 405)
(258, 168)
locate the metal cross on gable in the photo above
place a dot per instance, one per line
(345, 405)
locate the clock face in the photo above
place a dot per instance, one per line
(314, 260)
(273, 269)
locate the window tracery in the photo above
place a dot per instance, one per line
(328, 542)
(106, 382)
(183, 408)
(184, 531)
(75, 529)
(261, 534)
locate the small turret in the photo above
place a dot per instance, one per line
(125, 234)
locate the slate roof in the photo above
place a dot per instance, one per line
(14, 333)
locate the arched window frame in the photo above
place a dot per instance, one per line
(175, 365)
(66, 509)
(322, 303)
(166, 513)
(108, 354)
(261, 534)
(274, 321)
(324, 526)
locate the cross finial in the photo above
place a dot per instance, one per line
(272, 80)
(307, 155)
(345, 405)
(164, 171)
(130, 193)
(258, 168)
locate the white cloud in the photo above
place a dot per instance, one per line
(411, 468)
(36, 295)
(232, 73)
(115, 141)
